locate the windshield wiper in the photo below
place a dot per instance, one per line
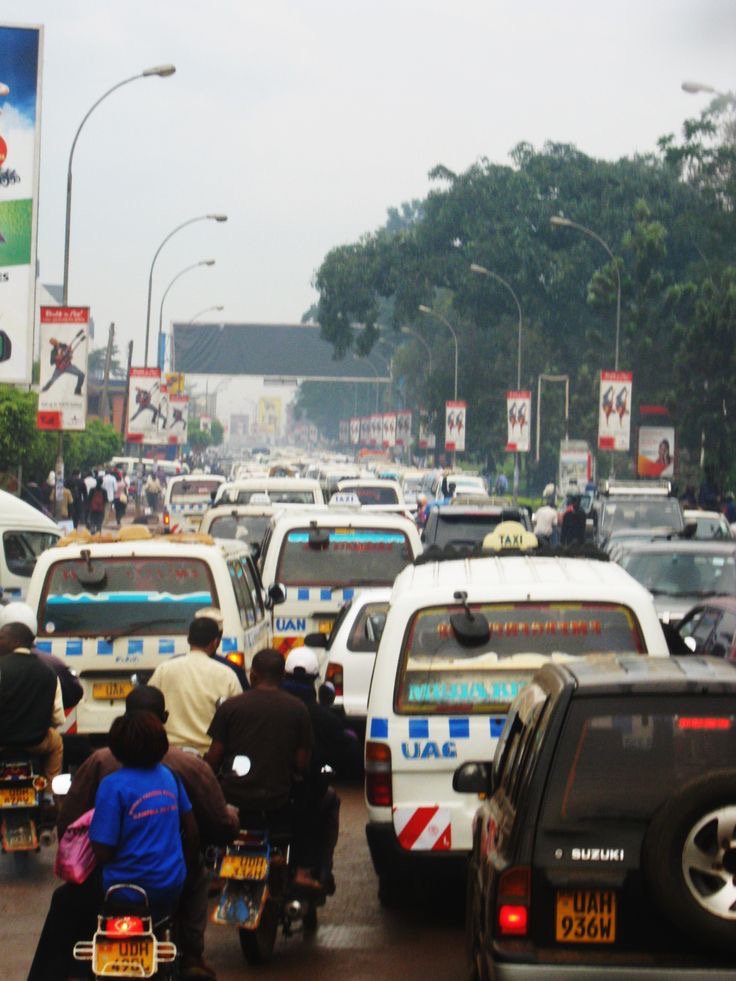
(133, 628)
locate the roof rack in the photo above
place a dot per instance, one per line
(450, 553)
(133, 533)
(637, 488)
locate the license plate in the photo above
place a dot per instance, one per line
(111, 690)
(586, 916)
(244, 867)
(128, 957)
(17, 797)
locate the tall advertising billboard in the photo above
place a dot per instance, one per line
(145, 405)
(455, 426)
(614, 411)
(62, 400)
(656, 456)
(20, 140)
(518, 421)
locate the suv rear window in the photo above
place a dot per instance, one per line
(438, 675)
(192, 491)
(351, 557)
(374, 495)
(135, 595)
(250, 528)
(619, 762)
(274, 496)
(461, 529)
(664, 512)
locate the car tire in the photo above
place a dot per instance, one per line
(689, 859)
(473, 924)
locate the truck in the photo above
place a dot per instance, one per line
(576, 467)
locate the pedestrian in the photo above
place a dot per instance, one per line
(545, 523)
(120, 501)
(78, 488)
(573, 524)
(97, 502)
(153, 491)
(65, 510)
(109, 483)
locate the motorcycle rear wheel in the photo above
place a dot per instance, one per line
(257, 945)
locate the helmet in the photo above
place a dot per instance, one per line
(302, 660)
(19, 613)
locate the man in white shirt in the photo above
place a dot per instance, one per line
(193, 684)
(545, 523)
(109, 483)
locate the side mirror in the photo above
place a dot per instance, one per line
(275, 595)
(316, 640)
(473, 778)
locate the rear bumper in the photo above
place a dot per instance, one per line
(391, 861)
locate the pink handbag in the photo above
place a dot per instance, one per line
(75, 859)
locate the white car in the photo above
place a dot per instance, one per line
(350, 650)
(709, 524)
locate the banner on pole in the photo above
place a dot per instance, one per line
(355, 430)
(614, 411)
(656, 456)
(518, 417)
(403, 428)
(62, 399)
(389, 429)
(427, 439)
(144, 402)
(455, 426)
(178, 422)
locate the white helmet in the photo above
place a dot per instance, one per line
(302, 660)
(19, 613)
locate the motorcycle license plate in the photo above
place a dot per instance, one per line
(17, 797)
(125, 957)
(244, 867)
(585, 916)
(111, 690)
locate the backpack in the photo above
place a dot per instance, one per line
(97, 500)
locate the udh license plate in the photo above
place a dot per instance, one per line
(254, 867)
(111, 690)
(585, 916)
(134, 955)
(17, 797)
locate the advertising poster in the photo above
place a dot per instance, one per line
(62, 399)
(20, 139)
(178, 419)
(376, 428)
(344, 432)
(455, 426)
(656, 457)
(174, 381)
(403, 428)
(518, 418)
(355, 430)
(427, 439)
(389, 429)
(365, 430)
(614, 411)
(144, 403)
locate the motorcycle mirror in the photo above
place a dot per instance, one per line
(241, 765)
(60, 784)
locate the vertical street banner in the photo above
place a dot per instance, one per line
(365, 430)
(344, 432)
(355, 430)
(144, 401)
(656, 454)
(427, 439)
(518, 419)
(62, 399)
(174, 381)
(614, 411)
(455, 426)
(389, 429)
(178, 420)
(403, 428)
(376, 428)
(20, 143)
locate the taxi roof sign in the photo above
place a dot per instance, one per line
(510, 535)
(345, 498)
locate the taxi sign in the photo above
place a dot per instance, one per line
(343, 498)
(510, 535)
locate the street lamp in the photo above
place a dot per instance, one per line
(414, 333)
(162, 71)
(190, 221)
(206, 310)
(195, 265)
(561, 222)
(446, 322)
(693, 88)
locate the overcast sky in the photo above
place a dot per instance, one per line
(304, 120)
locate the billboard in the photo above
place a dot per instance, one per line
(403, 428)
(518, 418)
(355, 430)
(178, 419)
(614, 411)
(656, 456)
(427, 438)
(144, 403)
(62, 399)
(20, 139)
(389, 429)
(455, 426)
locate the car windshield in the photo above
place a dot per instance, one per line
(347, 557)
(620, 761)
(249, 528)
(438, 674)
(192, 491)
(683, 573)
(156, 595)
(655, 512)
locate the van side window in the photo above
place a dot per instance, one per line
(242, 596)
(253, 588)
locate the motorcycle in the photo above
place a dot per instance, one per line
(127, 943)
(21, 786)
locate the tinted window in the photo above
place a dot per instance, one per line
(368, 627)
(463, 529)
(194, 491)
(676, 573)
(249, 528)
(374, 495)
(22, 548)
(242, 594)
(351, 557)
(655, 512)
(253, 585)
(136, 595)
(274, 496)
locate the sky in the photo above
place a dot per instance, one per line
(304, 120)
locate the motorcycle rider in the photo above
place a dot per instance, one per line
(31, 704)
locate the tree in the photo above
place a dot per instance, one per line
(96, 363)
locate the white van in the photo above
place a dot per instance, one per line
(321, 556)
(186, 498)
(462, 637)
(280, 490)
(25, 534)
(111, 607)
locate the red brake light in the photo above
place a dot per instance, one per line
(513, 920)
(123, 926)
(166, 519)
(703, 723)
(334, 675)
(378, 789)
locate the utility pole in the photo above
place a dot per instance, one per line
(105, 407)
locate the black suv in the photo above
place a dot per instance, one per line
(463, 525)
(607, 841)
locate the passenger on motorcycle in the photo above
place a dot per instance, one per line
(272, 729)
(31, 706)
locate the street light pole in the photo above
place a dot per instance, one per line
(206, 310)
(190, 221)
(195, 265)
(162, 71)
(414, 333)
(561, 222)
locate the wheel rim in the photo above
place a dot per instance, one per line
(709, 862)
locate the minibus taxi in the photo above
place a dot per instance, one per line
(462, 637)
(186, 498)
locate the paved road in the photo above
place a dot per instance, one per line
(356, 938)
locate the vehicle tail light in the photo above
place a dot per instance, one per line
(707, 722)
(166, 519)
(334, 675)
(512, 900)
(39, 783)
(378, 774)
(123, 926)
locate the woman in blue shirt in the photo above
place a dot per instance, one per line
(143, 830)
